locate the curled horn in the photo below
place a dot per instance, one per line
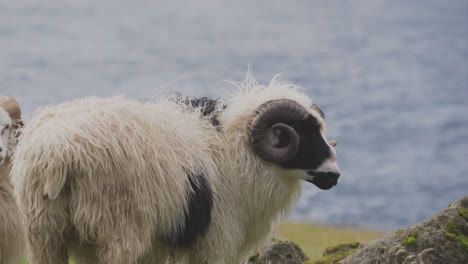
(272, 139)
(11, 106)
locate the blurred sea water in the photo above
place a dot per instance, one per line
(391, 76)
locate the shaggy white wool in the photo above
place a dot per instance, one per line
(106, 178)
(11, 238)
(113, 170)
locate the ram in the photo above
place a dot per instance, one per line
(203, 181)
(11, 241)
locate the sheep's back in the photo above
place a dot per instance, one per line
(114, 157)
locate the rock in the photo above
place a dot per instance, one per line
(280, 252)
(441, 239)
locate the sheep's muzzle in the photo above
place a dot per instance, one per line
(324, 180)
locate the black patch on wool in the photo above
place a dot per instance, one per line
(313, 149)
(197, 217)
(208, 106)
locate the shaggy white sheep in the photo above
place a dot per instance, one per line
(117, 181)
(10, 230)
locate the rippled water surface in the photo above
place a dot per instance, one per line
(392, 77)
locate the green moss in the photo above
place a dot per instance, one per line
(399, 231)
(411, 240)
(452, 227)
(372, 245)
(311, 238)
(334, 254)
(451, 236)
(463, 212)
(463, 240)
(335, 258)
(456, 235)
(341, 247)
(277, 240)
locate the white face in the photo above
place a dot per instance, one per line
(5, 125)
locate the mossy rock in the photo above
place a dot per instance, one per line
(335, 254)
(411, 240)
(399, 231)
(455, 234)
(280, 252)
(340, 247)
(441, 239)
(463, 212)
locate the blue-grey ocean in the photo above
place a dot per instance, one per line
(391, 77)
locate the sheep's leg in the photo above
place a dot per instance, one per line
(46, 228)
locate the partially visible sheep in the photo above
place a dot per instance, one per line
(11, 236)
(114, 181)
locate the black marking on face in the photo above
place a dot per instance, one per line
(313, 149)
(324, 180)
(197, 216)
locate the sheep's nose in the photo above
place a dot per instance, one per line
(333, 175)
(1, 149)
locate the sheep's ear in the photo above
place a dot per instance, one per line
(319, 110)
